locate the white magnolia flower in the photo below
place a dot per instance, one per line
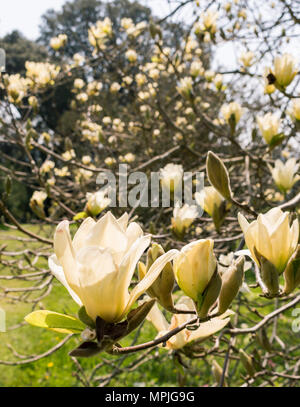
(185, 336)
(97, 202)
(183, 217)
(232, 109)
(98, 265)
(209, 199)
(284, 174)
(171, 176)
(269, 126)
(284, 69)
(272, 236)
(246, 58)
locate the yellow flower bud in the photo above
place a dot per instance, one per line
(163, 286)
(232, 281)
(194, 267)
(292, 273)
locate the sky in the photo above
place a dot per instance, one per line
(25, 15)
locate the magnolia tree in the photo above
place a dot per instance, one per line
(186, 150)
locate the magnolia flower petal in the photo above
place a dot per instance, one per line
(82, 233)
(294, 235)
(98, 280)
(57, 271)
(123, 221)
(109, 234)
(150, 277)
(128, 265)
(157, 319)
(208, 329)
(65, 254)
(133, 232)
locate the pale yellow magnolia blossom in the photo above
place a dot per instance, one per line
(41, 73)
(97, 202)
(47, 166)
(171, 176)
(284, 69)
(62, 172)
(127, 23)
(98, 265)
(68, 155)
(272, 236)
(295, 111)
(209, 75)
(205, 330)
(79, 83)
(269, 126)
(98, 33)
(78, 59)
(185, 86)
(136, 30)
(140, 79)
(218, 81)
(38, 198)
(110, 161)
(131, 55)
(86, 160)
(208, 198)
(194, 266)
(246, 59)
(183, 217)
(17, 87)
(115, 87)
(196, 68)
(129, 158)
(284, 174)
(209, 20)
(82, 97)
(58, 42)
(232, 109)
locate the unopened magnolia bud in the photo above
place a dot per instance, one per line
(292, 273)
(217, 371)
(269, 274)
(163, 286)
(218, 175)
(247, 362)
(263, 339)
(210, 294)
(232, 280)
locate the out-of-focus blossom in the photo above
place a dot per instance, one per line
(284, 175)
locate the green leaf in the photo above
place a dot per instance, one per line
(276, 140)
(55, 322)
